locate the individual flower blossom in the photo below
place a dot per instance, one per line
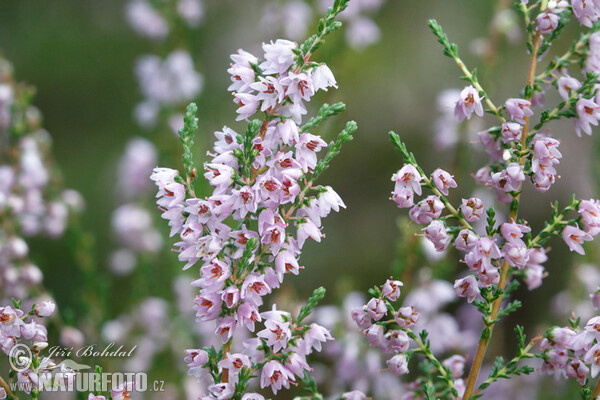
(566, 86)
(510, 179)
(45, 309)
(398, 364)
(276, 376)
(391, 289)
(443, 180)
(277, 334)
(465, 240)
(91, 396)
(511, 132)
(588, 113)
(426, 210)
(408, 177)
(467, 287)
(469, 102)
(590, 213)
(574, 238)
(518, 109)
(376, 308)
(438, 235)
(472, 209)
(406, 317)
(547, 22)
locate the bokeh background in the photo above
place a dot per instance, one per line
(80, 56)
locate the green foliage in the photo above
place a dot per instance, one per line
(186, 135)
(317, 295)
(334, 148)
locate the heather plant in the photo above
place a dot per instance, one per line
(265, 204)
(500, 253)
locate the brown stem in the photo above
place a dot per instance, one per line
(225, 375)
(483, 342)
(596, 391)
(7, 389)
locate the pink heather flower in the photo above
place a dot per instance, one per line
(426, 210)
(247, 105)
(247, 315)
(45, 309)
(398, 341)
(276, 376)
(472, 209)
(306, 150)
(123, 391)
(10, 321)
(91, 396)
(592, 356)
(269, 91)
(376, 308)
(314, 336)
(374, 334)
(586, 11)
(517, 255)
(511, 132)
(510, 179)
(513, 232)
(437, 234)
(221, 391)
(588, 113)
(286, 263)
(391, 289)
(465, 240)
(574, 238)
(360, 316)
(409, 178)
(467, 287)
(567, 85)
(593, 327)
(225, 329)
(403, 197)
(207, 306)
(578, 370)
(279, 56)
(590, 213)
(469, 102)
(456, 363)
(518, 109)
(195, 360)
(547, 22)
(329, 200)
(299, 86)
(276, 333)
(398, 364)
(443, 180)
(322, 78)
(235, 362)
(406, 317)
(297, 364)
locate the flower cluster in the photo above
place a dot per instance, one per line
(501, 253)
(16, 328)
(250, 232)
(572, 352)
(390, 335)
